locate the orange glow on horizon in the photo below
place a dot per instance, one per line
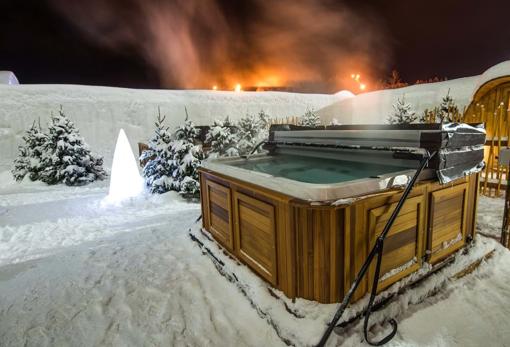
(238, 88)
(357, 79)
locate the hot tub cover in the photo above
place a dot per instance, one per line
(458, 146)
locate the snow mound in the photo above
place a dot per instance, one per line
(375, 107)
(8, 77)
(344, 94)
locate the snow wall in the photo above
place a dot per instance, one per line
(8, 77)
(99, 112)
(375, 107)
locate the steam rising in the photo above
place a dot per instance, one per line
(308, 44)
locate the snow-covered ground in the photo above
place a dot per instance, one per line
(75, 273)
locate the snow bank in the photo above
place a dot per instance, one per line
(8, 77)
(375, 107)
(99, 112)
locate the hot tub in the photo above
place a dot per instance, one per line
(304, 215)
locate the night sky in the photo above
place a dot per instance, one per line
(424, 39)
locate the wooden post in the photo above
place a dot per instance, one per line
(499, 133)
(504, 157)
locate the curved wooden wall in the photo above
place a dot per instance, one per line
(490, 105)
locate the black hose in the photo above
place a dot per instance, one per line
(376, 250)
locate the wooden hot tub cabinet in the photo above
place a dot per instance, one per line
(314, 250)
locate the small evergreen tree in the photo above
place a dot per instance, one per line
(310, 119)
(248, 134)
(265, 124)
(264, 120)
(66, 157)
(29, 158)
(403, 113)
(252, 130)
(447, 109)
(187, 157)
(36, 141)
(222, 137)
(158, 168)
(21, 164)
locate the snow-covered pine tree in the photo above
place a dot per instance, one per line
(187, 157)
(157, 171)
(310, 119)
(21, 164)
(29, 158)
(66, 157)
(222, 137)
(248, 133)
(265, 120)
(403, 113)
(252, 130)
(447, 109)
(265, 123)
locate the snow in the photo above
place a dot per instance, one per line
(375, 107)
(72, 273)
(490, 216)
(8, 77)
(75, 273)
(100, 112)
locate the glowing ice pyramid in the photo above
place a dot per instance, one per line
(125, 180)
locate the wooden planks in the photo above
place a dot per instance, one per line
(403, 247)
(219, 213)
(447, 221)
(255, 235)
(319, 253)
(314, 251)
(490, 105)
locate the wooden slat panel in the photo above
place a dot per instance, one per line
(255, 235)
(319, 249)
(403, 243)
(447, 219)
(398, 257)
(399, 240)
(286, 250)
(219, 213)
(401, 224)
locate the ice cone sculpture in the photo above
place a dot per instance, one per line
(125, 180)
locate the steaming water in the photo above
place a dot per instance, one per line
(316, 170)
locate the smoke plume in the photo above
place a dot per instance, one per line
(308, 44)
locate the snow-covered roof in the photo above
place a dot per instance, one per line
(375, 107)
(8, 77)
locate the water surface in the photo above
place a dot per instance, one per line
(316, 170)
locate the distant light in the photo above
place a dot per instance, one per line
(362, 86)
(125, 180)
(352, 76)
(215, 87)
(237, 88)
